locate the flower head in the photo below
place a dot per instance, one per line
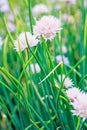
(78, 100)
(64, 49)
(22, 43)
(73, 93)
(11, 27)
(40, 9)
(70, 2)
(67, 18)
(10, 17)
(67, 82)
(60, 58)
(58, 7)
(47, 26)
(85, 3)
(80, 105)
(4, 6)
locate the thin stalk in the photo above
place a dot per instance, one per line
(30, 16)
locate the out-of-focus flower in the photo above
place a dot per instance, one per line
(47, 27)
(11, 27)
(60, 58)
(10, 23)
(40, 9)
(4, 6)
(85, 3)
(73, 93)
(35, 68)
(22, 43)
(67, 82)
(52, 1)
(67, 18)
(64, 49)
(80, 105)
(10, 17)
(58, 7)
(1, 43)
(70, 2)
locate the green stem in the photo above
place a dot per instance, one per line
(30, 16)
(78, 123)
(7, 30)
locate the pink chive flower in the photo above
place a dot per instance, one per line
(40, 9)
(80, 105)
(67, 82)
(4, 6)
(78, 100)
(85, 3)
(64, 49)
(73, 93)
(66, 18)
(11, 27)
(21, 43)
(47, 27)
(70, 2)
(63, 58)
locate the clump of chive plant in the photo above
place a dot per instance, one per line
(43, 73)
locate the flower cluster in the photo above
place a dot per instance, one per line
(47, 27)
